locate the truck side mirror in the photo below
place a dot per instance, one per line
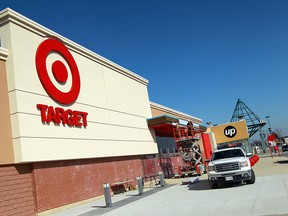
(249, 154)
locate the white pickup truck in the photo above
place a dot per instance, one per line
(230, 165)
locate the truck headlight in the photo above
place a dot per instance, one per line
(211, 168)
(244, 164)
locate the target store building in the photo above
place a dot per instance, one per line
(70, 120)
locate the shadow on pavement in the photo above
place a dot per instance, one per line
(200, 185)
(133, 195)
(282, 162)
(99, 206)
(204, 185)
(100, 210)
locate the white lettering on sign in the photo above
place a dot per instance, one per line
(230, 131)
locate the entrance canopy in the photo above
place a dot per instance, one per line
(162, 124)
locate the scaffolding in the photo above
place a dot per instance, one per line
(188, 147)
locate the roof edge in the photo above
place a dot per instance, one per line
(175, 112)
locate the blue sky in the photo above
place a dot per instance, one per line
(199, 56)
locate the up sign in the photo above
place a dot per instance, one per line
(230, 131)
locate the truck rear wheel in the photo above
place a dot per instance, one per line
(253, 178)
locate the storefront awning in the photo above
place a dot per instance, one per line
(162, 123)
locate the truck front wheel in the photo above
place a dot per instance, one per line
(212, 186)
(253, 178)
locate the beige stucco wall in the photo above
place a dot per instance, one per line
(115, 99)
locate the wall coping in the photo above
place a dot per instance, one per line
(175, 112)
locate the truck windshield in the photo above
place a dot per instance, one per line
(227, 154)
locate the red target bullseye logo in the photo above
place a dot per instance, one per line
(59, 71)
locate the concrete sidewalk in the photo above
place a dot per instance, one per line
(268, 196)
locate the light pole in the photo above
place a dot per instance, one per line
(208, 123)
(269, 129)
(262, 137)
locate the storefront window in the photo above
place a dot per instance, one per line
(166, 144)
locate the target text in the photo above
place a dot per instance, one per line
(59, 115)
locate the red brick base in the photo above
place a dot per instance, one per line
(65, 182)
(33, 188)
(16, 191)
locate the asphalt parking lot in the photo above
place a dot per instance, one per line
(268, 196)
